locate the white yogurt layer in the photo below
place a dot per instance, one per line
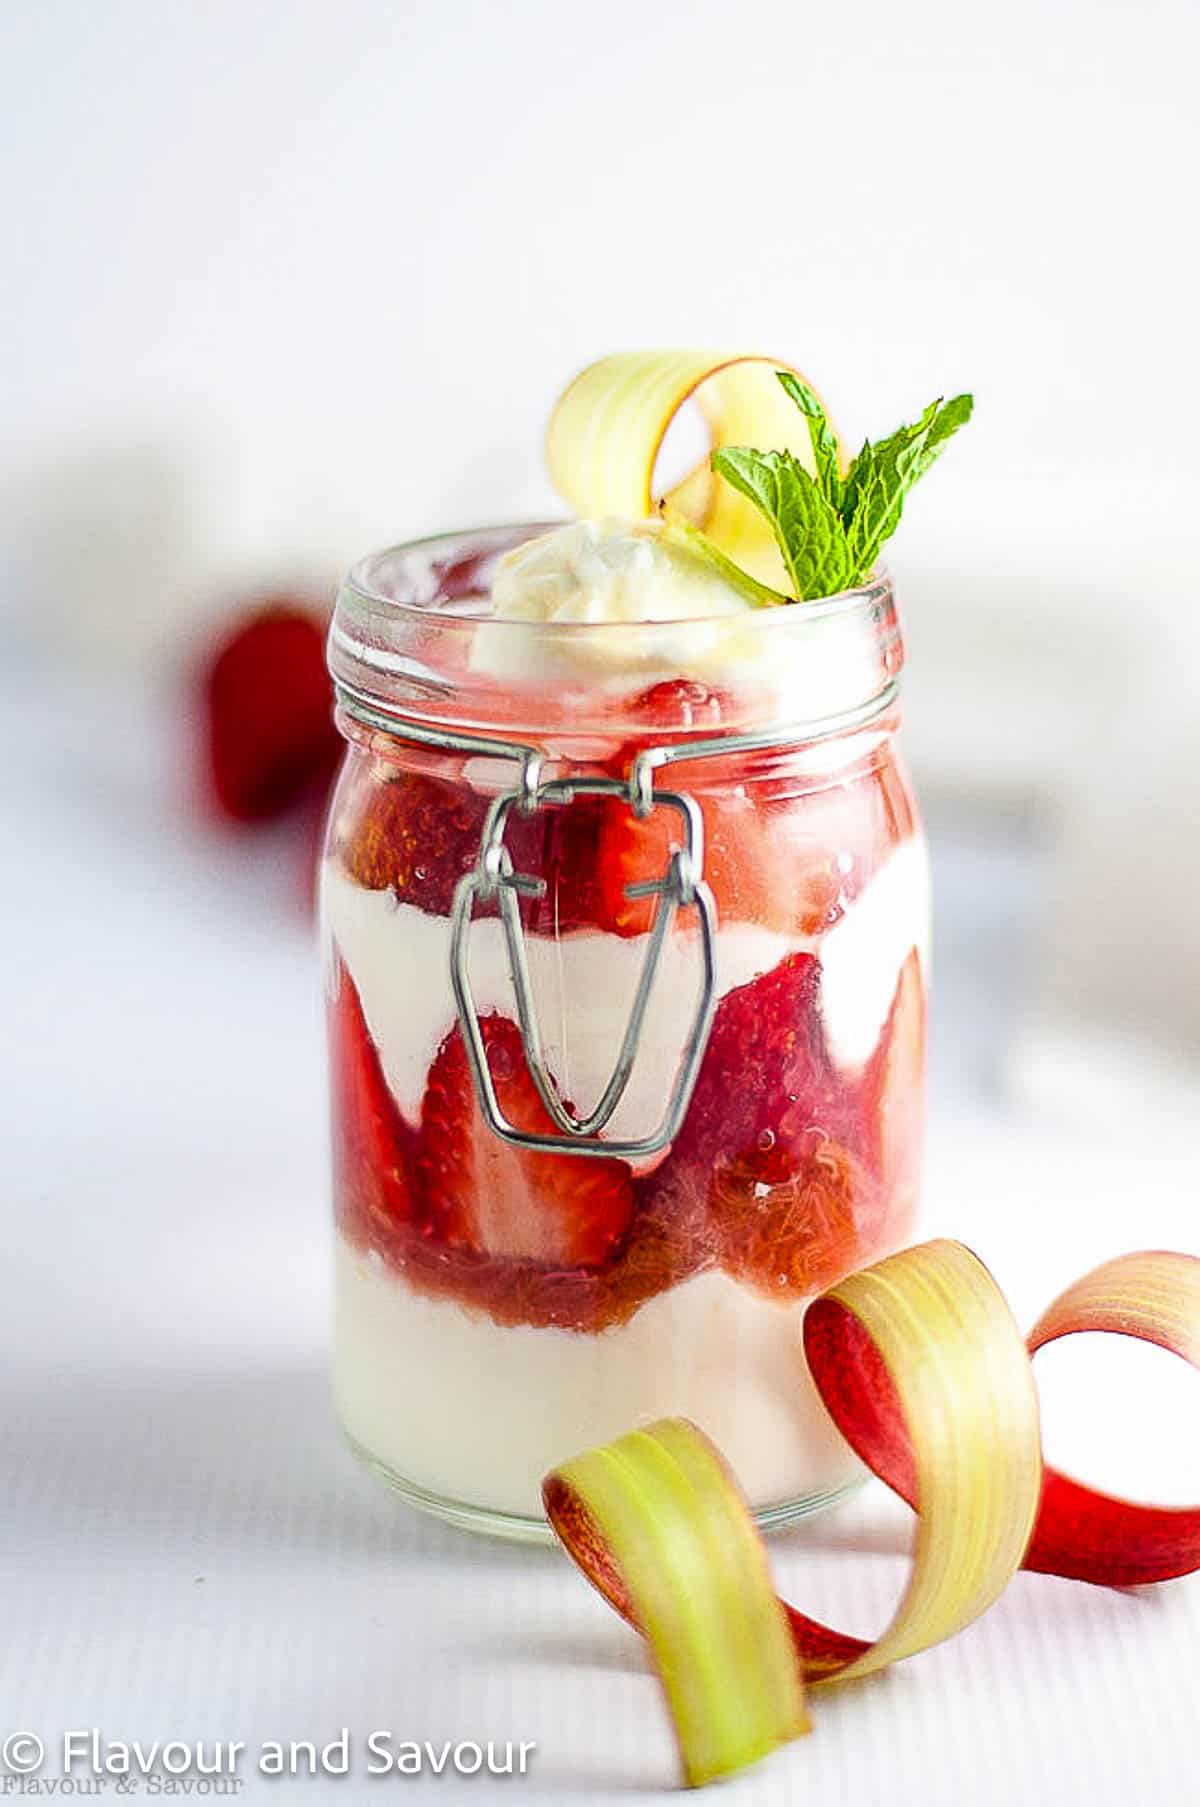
(861, 956)
(478, 1413)
(583, 983)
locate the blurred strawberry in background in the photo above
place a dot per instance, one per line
(268, 747)
(268, 733)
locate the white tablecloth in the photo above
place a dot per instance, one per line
(187, 1550)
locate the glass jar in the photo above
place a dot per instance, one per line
(624, 931)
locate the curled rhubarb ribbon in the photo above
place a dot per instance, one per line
(608, 427)
(921, 1366)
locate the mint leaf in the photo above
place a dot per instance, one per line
(824, 441)
(881, 476)
(878, 471)
(949, 418)
(829, 527)
(805, 522)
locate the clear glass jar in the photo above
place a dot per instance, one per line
(624, 931)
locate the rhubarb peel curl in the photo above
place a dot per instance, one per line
(921, 1366)
(609, 425)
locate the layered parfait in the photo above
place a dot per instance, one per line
(512, 1283)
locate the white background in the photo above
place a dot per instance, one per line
(283, 283)
(328, 265)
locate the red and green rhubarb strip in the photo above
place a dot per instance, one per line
(920, 1364)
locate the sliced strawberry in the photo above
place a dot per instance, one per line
(777, 852)
(561, 845)
(766, 1076)
(477, 1192)
(757, 866)
(809, 1172)
(764, 1155)
(373, 1147)
(417, 834)
(267, 712)
(414, 834)
(679, 703)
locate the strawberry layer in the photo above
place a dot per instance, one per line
(442, 1396)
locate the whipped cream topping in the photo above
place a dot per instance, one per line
(609, 570)
(609, 574)
(616, 606)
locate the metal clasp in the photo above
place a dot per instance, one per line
(681, 886)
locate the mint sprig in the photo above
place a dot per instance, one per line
(829, 527)
(806, 523)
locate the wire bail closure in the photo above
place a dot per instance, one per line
(681, 886)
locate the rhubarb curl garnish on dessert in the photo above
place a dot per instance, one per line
(922, 1368)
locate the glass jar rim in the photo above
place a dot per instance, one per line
(410, 626)
(359, 578)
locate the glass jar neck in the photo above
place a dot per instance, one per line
(415, 652)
